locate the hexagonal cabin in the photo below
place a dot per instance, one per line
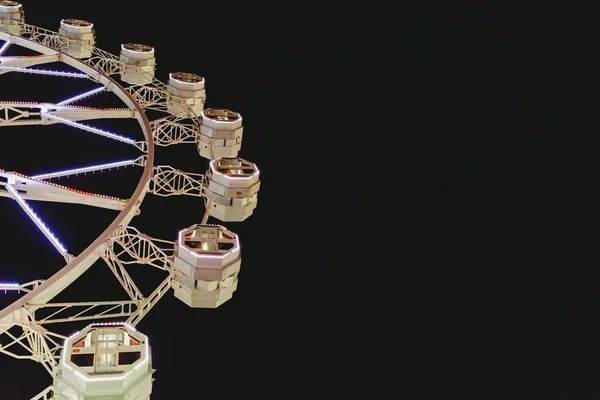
(232, 185)
(208, 258)
(105, 361)
(220, 133)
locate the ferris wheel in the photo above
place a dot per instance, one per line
(109, 358)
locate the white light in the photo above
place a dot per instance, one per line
(44, 72)
(212, 168)
(4, 47)
(221, 122)
(85, 378)
(151, 49)
(81, 96)
(83, 170)
(90, 129)
(27, 178)
(235, 248)
(40, 224)
(9, 286)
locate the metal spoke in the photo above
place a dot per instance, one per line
(202, 276)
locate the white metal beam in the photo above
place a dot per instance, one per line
(76, 113)
(5, 46)
(83, 311)
(82, 96)
(16, 113)
(85, 170)
(44, 72)
(118, 269)
(20, 113)
(168, 181)
(88, 128)
(24, 62)
(29, 188)
(171, 130)
(38, 222)
(151, 300)
(20, 287)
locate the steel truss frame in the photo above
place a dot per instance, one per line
(25, 327)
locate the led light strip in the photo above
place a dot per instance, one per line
(83, 170)
(31, 104)
(255, 173)
(64, 187)
(40, 224)
(90, 129)
(235, 249)
(4, 47)
(142, 363)
(44, 72)
(81, 96)
(9, 286)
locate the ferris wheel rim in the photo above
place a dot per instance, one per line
(90, 254)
